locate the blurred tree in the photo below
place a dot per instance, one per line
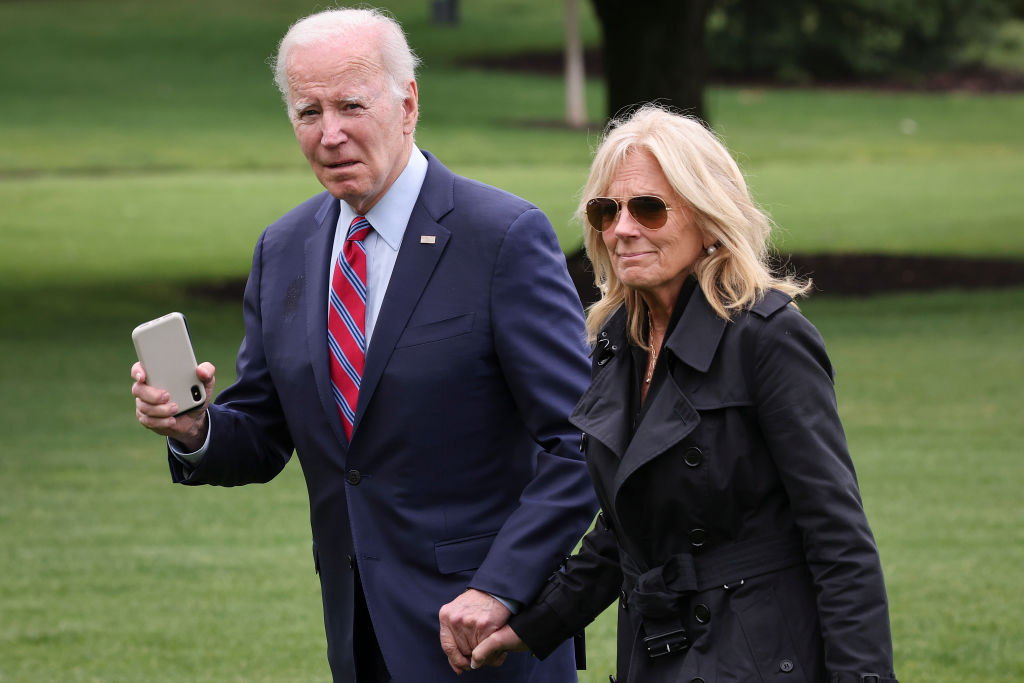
(444, 11)
(653, 50)
(808, 40)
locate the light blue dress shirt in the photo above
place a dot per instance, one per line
(389, 218)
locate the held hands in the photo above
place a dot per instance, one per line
(465, 622)
(493, 649)
(155, 412)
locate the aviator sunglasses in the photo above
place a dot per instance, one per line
(647, 210)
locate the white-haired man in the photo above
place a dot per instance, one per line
(415, 338)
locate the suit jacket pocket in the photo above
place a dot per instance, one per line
(462, 554)
(436, 331)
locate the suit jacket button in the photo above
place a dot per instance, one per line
(697, 537)
(353, 477)
(785, 666)
(692, 456)
(702, 614)
(351, 561)
(698, 679)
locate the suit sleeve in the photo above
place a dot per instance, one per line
(573, 598)
(799, 418)
(540, 344)
(249, 439)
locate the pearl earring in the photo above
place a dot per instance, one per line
(712, 249)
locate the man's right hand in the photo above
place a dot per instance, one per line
(155, 411)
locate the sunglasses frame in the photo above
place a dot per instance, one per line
(619, 202)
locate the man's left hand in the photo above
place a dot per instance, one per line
(467, 620)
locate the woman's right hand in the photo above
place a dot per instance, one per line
(492, 650)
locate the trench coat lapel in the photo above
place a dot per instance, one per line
(671, 417)
(602, 411)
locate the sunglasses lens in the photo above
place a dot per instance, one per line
(650, 212)
(601, 212)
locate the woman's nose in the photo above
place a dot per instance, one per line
(624, 224)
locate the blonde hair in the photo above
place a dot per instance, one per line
(703, 173)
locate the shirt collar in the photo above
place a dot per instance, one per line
(390, 215)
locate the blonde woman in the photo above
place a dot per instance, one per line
(732, 531)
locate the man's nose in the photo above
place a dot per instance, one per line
(333, 130)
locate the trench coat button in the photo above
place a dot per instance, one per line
(702, 614)
(623, 601)
(353, 477)
(351, 561)
(692, 456)
(785, 666)
(697, 537)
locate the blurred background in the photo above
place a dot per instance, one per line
(143, 148)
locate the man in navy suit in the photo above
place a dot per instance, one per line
(455, 485)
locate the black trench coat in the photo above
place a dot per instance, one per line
(732, 530)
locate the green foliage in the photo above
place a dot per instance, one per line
(844, 39)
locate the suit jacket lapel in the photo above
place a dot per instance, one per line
(416, 261)
(318, 278)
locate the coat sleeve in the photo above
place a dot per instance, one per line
(797, 412)
(249, 440)
(539, 340)
(573, 598)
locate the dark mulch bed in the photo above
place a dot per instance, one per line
(865, 274)
(968, 78)
(833, 275)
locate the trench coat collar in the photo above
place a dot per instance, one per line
(603, 411)
(697, 334)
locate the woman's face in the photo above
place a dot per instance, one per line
(653, 262)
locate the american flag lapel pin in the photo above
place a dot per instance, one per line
(428, 239)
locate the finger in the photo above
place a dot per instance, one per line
(150, 394)
(458, 661)
(489, 649)
(205, 371)
(138, 373)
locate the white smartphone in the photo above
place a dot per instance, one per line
(165, 350)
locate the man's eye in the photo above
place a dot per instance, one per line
(306, 113)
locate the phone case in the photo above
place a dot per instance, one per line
(164, 348)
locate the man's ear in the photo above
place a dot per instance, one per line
(411, 107)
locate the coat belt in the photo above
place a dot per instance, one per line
(656, 594)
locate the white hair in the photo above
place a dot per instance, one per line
(396, 58)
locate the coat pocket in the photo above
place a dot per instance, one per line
(462, 554)
(771, 645)
(436, 331)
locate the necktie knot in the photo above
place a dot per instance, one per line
(358, 229)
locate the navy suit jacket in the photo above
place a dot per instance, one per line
(463, 470)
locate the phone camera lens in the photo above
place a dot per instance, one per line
(195, 392)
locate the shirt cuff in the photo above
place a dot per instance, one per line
(514, 606)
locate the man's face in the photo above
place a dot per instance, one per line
(355, 133)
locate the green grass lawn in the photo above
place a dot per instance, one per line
(143, 147)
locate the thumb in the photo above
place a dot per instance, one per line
(491, 651)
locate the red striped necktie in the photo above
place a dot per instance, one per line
(346, 322)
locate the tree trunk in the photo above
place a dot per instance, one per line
(653, 50)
